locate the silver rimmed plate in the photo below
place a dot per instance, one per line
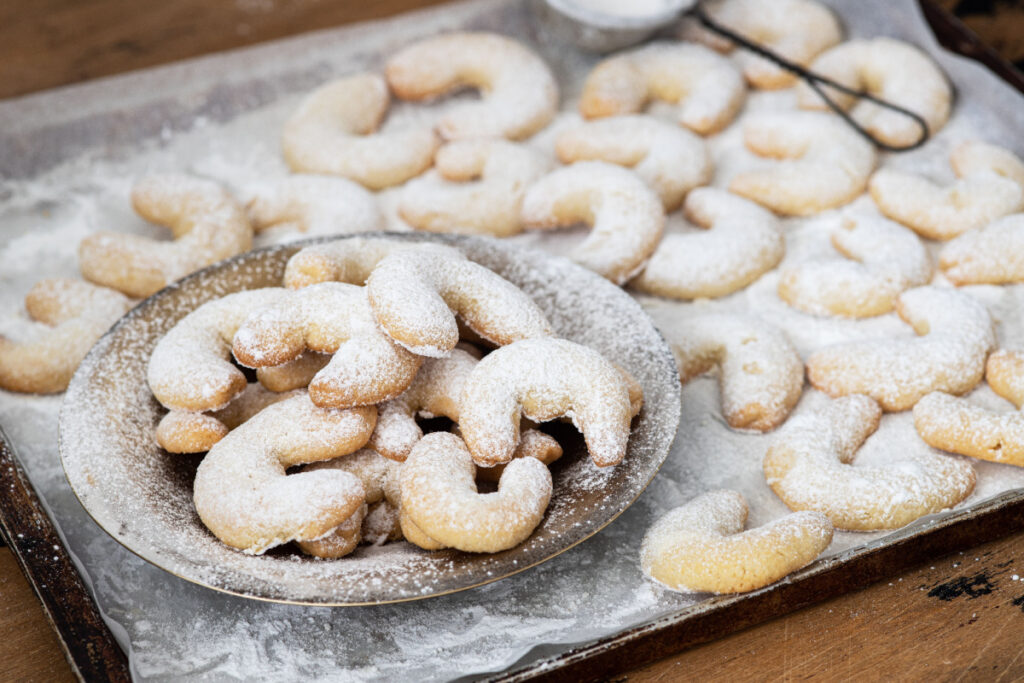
(142, 496)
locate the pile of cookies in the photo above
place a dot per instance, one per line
(366, 335)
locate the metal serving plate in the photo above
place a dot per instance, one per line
(142, 496)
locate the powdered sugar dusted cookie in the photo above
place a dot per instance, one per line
(882, 260)
(382, 524)
(477, 189)
(707, 86)
(207, 223)
(990, 185)
(519, 95)
(334, 131)
(244, 496)
(1004, 371)
(331, 317)
(625, 215)
(183, 431)
(415, 535)
(295, 374)
(743, 241)
(435, 392)
(810, 467)
(701, 546)
(991, 255)
(315, 205)
(77, 314)
(762, 375)
(542, 379)
(372, 469)
(955, 424)
(823, 163)
(533, 443)
(670, 159)
(350, 260)
(795, 29)
(440, 497)
(191, 367)
(891, 70)
(343, 540)
(950, 355)
(416, 294)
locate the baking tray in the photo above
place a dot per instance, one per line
(94, 654)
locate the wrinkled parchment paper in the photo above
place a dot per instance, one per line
(67, 161)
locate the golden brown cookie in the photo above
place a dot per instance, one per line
(701, 546)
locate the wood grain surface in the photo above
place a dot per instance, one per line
(29, 650)
(954, 618)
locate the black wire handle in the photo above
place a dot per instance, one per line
(815, 81)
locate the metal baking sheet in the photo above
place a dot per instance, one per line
(67, 159)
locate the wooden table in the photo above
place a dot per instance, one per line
(957, 617)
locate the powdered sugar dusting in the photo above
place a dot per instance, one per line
(221, 118)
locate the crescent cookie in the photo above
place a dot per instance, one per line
(382, 524)
(343, 540)
(950, 355)
(371, 469)
(990, 185)
(541, 379)
(183, 431)
(882, 260)
(244, 496)
(1004, 372)
(416, 295)
(331, 317)
(519, 95)
(533, 443)
(761, 374)
(891, 70)
(435, 392)
(797, 30)
(625, 215)
(477, 188)
(415, 535)
(707, 86)
(315, 205)
(375, 522)
(191, 368)
(991, 255)
(956, 425)
(808, 466)
(350, 260)
(333, 132)
(77, 314)
(701, 546)
(295, 374)
(822, 162)
(670, 159)
(741, 243)
(440, 468)
(207, 224)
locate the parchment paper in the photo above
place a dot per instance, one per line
(67, 160)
